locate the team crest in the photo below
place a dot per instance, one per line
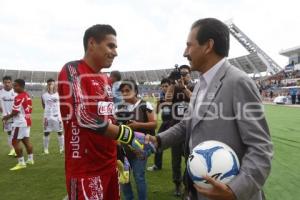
(95, 83)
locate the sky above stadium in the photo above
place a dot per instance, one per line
(43, 35)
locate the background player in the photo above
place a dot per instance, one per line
(7, 96)
(21, 114)
(52, 117)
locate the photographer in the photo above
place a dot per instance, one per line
(138, 115)
(166, 117)
(179, 94)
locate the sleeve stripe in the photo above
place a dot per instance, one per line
(78, 98)
(17, 107)
(84, 117)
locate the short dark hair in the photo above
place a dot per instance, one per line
(20, 82)
(216, 30)
(165, 80)
(98, 32)
(185, 67)
(131, 84)
(50, 80)
(6, 78)
(116, 74)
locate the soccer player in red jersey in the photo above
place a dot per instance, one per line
(21, 114)
(86, 103)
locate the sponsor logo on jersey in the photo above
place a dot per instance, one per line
(75, 139)
(105, 108)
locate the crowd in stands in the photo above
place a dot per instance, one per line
(279, 85)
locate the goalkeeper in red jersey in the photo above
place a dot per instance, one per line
(87, 113)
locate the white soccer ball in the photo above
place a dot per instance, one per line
(214, 159)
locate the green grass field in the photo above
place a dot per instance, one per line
(45, 180)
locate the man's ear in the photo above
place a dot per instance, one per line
(209, 46)
(91, 43)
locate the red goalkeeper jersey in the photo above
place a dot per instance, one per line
(85, 102)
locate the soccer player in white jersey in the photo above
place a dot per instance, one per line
(52, 117)
(7, 96)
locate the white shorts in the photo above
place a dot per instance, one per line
(52, 125)
(7, 127)
(20, 132)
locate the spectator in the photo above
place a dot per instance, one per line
(166, 116)
(179, 94)
(116, 77)
(293, 92)
(143, 119)
(271, 95)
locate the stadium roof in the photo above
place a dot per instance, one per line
(291, 51)
(251, 64)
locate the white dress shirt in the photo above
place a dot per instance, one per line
(204, 81)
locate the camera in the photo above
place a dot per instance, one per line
(175, 74)
(123, 115)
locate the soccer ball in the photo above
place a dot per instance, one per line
(214, 159)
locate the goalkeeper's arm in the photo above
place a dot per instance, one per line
(89, 120)
(126, 135)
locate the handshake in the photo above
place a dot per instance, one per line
(143, 144)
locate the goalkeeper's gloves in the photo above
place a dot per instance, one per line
(123, 169)
(135, 140)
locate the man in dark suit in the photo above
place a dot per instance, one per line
(225, 106)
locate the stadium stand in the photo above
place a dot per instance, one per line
(13, 73)
(251, 64)
(29, 76)
(38, 77)
(147, 79)
(26, 75)
(255, 62)
(52, 75)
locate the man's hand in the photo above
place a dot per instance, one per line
(219, 191)
(181, 84)
(148, 148)
(151, 139)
